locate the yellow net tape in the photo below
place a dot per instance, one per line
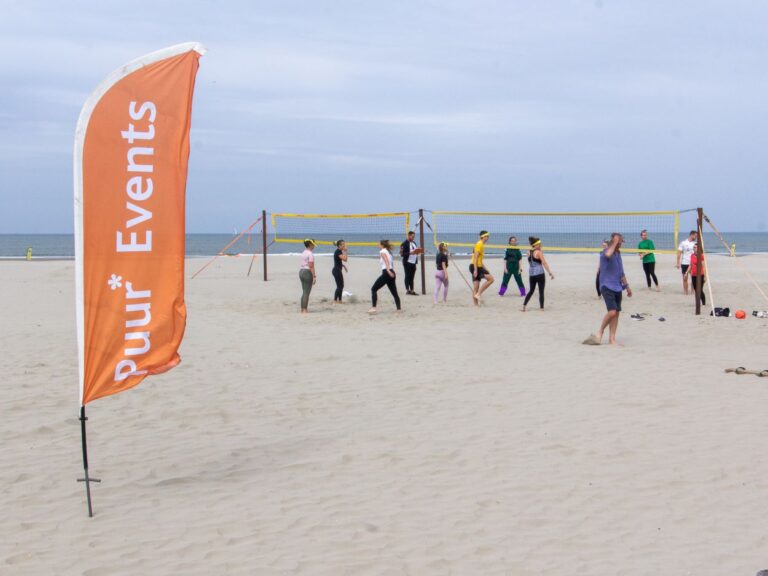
(553, 248)
(677, 229)
(659, 213)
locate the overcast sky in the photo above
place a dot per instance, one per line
(331, 106)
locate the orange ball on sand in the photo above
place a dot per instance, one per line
(740, 314)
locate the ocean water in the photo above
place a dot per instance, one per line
(61, 246)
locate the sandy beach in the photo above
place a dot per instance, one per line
(445, 440)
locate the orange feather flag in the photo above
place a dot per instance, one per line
(131, 154)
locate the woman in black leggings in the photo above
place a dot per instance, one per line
(647, 253)
(536, 266)
(387, 277)
(339, 257)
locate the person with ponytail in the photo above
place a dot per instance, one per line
(339, 258)
(441, 274)
(307, 274)
(387, 277)
(537, 264)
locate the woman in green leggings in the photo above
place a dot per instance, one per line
(307, 273)
(512, 258)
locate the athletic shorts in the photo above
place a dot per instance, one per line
(612, 299)
(684, 268)
(481, 272)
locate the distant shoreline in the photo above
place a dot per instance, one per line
(61, 246)
(458, 256)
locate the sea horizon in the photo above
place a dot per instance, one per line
(55, 246)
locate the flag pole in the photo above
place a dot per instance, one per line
(87, 478)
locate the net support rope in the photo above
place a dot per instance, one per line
(738, 262)
(253, 258)
(426, 223)
(708, 276)
(223, 250)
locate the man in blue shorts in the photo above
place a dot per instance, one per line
(612, 283)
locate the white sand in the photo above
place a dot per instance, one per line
(447, 440)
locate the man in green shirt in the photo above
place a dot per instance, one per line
(512, 258)
(647, 250)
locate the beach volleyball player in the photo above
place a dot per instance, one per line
(684, 251)
(537, 266)
(613, 282)
(478, 270)
(339, 260)
(307, 273)
(387, 277)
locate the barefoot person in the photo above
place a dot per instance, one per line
(537, 264)
(477, 269)
(387, 277)
(307, 273)
(441, 274)
(512, 258)
(647, 250)
(339, 258)
(612, 282)
(698, 275)
(410, 251)
(684, 251)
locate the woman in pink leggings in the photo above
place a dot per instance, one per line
(441, 275)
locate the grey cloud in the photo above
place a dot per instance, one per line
(565, 105)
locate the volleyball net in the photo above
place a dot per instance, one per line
(558, 231)
(326, 229)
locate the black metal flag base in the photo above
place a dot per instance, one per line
(87, 478)
(88, 481)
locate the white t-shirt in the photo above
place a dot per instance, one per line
(306, 257)
(687, 248)
(413, 258)
(382, 261)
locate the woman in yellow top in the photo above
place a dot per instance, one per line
(478, 270)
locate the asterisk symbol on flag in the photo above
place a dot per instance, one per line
(115, 281)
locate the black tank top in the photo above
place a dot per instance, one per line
(535, 267)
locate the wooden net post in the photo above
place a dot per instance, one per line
(423, 254)
(264, 241)
(699, 260)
